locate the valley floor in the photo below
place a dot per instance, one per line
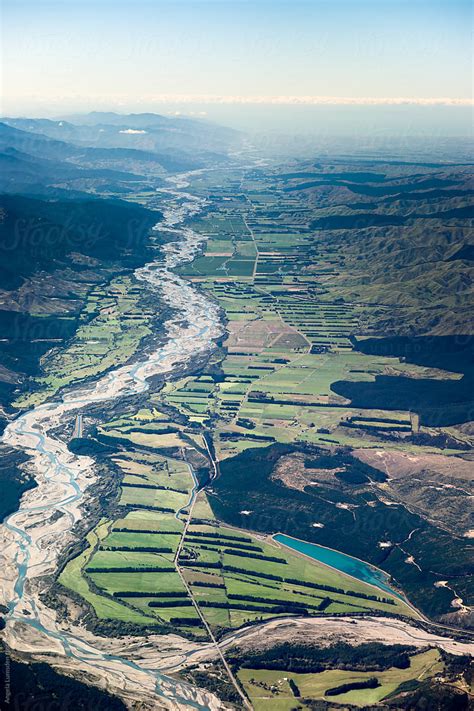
(144, 557)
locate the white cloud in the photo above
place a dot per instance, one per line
(132, 130)
(310, 100)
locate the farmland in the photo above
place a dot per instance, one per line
(158, 537)
(128, 571)
(303, 367)
(326, 412)
(236, 579)
(291, 355)
(314, 358)
(113, 323)
(273, 689)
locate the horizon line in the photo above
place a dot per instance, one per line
(309, 100)
(282, 100)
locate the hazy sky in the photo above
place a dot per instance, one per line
(73, 53)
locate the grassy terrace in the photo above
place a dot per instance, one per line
(112, 325)
(237, 578)
(193, 397)
(128, 566)
(270, 690)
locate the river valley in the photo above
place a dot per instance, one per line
(33, 537)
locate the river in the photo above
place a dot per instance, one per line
(35, 535)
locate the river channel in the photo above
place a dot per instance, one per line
(35, 534)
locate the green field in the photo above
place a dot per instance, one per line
(248, 576)
(112, 325)
(134, 553)
(270, 690)
(296, 296)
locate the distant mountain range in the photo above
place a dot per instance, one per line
(171, 139)
(114, 149)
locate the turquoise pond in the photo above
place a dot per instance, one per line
(345, 563)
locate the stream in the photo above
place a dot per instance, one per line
(36, 533)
